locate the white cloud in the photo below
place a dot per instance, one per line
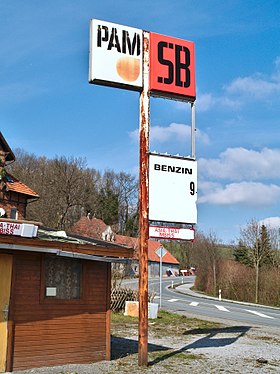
(244, 193)
(256, 85)
(242, 164)
(271, 222)
(175, 132)
(208, 101)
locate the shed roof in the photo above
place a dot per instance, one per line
(50, 241)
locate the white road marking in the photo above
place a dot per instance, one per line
(194, 303)
(259, 314)
(173, 300)
(222, 308)
(157, 297)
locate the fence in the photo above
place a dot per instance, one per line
(120, 295)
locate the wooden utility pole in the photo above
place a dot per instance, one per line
(144, 208)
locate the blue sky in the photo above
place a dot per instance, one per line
(48, 108)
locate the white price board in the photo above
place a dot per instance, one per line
(172, 189)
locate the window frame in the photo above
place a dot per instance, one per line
(53, 300)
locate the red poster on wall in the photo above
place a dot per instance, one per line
(172, 67)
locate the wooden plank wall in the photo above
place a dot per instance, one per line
(56, 333)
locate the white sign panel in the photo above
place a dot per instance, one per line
(19, 229)
(172, 189)
(163, 232)
(115, 55)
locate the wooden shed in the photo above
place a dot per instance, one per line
(54, 297)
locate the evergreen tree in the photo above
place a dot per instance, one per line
(254, 249)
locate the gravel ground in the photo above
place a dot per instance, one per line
(224, 349)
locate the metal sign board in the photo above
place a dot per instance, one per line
(172, 67)
(116, 54)
(161, 252)
(174, 233)
(172, 189)
(18, 229)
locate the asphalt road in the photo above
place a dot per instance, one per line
(178, 300)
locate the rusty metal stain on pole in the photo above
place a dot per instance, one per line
(144, 208)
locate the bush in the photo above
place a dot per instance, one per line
(237, 282)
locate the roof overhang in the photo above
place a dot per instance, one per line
(61, 253)
(88, 251)
(9, 153)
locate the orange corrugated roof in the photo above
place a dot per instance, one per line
(19, 187)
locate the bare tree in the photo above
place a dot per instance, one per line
(68, 190)
(128, 195)
(206, 254)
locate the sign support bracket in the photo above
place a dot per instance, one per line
(193, 130)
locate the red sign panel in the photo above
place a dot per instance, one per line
(172, 67)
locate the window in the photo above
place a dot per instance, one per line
(14, 213)
(62, 278)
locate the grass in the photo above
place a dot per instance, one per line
(268, 339)
(167, 324)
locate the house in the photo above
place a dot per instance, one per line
(14, 195)
(54, 289)
(94, 228)
(54, 297)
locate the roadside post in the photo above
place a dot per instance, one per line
(160, 252)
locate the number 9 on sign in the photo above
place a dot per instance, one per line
(192, 188)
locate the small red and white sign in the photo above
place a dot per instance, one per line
(163, 232)
(18, 229)
(172, 67)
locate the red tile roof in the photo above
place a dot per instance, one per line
(93, 227)
(153, 246)
(19, 187)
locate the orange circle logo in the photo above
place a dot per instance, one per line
(128, 68)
